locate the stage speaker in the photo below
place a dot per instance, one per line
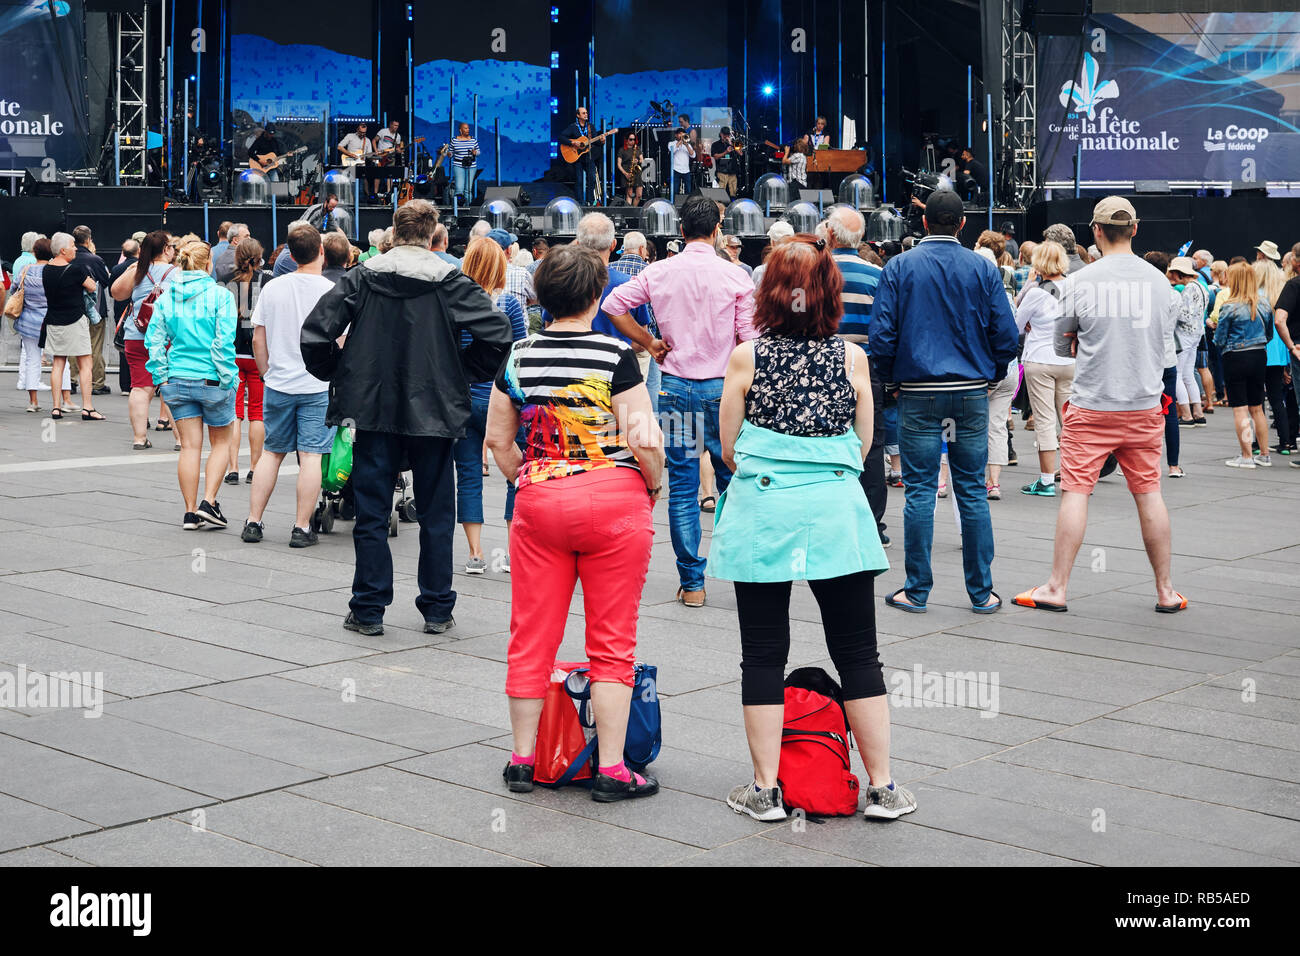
(515, 194)
(36, 184)
(1054, 17)
(815, 196)
(1249, 189)
(1151, 186)
(717, 195)
(280, 190)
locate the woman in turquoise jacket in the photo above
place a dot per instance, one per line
(191, 343)
(796, 422)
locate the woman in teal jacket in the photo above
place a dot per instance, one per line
(191, 342)
(796, 423)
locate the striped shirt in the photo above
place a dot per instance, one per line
(462, 151)
(518, 329)
(860, 281)
(563, 384)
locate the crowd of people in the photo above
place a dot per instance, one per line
(591, 372)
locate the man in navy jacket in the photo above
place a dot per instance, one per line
(942, 333)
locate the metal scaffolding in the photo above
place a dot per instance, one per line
(1019, 156)
(130, 97)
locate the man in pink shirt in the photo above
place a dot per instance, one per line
(703, 305)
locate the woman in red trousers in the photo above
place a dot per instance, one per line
(588, 478)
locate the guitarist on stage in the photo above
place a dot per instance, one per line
(355, 147)
(585, 167)
(266, 149)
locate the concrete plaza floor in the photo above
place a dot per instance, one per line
(242, 725)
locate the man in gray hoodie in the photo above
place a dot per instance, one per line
(1114, 314)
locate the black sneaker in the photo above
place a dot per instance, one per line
(191, 521)
(518, 777)
(368, 630)
(248, 478)
(605, 789)
(211, 514)
(302, 539)
(252, 532)
(232, 478)
(438, 627)
(102, 390)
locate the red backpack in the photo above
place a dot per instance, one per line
(815, 772)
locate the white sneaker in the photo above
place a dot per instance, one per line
(763, 805)
(1264, 461)
(1240, 462)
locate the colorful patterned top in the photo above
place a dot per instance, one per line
(563, 384)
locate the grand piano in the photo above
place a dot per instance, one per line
(837, 160)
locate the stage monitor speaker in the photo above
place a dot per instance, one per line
(1151, 186)
(35, 182)
(515, 194)
(824, 197)
(1249, 189)
(717, 195)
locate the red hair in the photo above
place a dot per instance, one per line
(802, 290)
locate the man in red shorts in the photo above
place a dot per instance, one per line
(1114, 318)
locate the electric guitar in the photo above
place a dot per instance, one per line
(269, 161)
(582, 145)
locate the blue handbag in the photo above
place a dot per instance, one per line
(92, 312)
(644, 721)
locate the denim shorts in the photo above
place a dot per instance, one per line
(193, 398)
(296, 422)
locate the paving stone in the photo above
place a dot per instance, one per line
(327, 835)
(169, 843)
(754, 851)
(1159, 774)
(86, 789)
(241, 728)
(164, 756)
(37, 856)
(1202, 819)
(324, 707)
(124, 676)
(521, 830)
(23, 824)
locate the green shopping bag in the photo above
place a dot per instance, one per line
(336, 467)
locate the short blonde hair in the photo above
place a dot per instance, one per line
(1050, 259)
(194, 256)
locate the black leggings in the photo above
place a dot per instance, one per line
(848, 609)
(1276, 389)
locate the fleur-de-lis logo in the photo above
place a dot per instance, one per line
(1087, 93)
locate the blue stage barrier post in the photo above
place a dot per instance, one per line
(274, 231)
(207, 231)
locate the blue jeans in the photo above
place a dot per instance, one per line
(688, 413)
(469, 468)
(653, 383)
(377, 457)
(463, 178)
(194, 398)
(925, 421)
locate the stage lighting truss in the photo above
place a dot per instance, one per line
(132, 35)
(1016, 162)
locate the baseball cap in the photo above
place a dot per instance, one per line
(1008, 228)
(674, 245)
(944, 208)
(502, 238)
(734, 241)
(1114, 211)
(1183, 265)
(780, 230)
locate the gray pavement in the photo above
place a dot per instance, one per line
(242, 725)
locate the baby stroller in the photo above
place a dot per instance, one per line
(336, 489)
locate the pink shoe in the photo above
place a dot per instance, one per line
(994, 492)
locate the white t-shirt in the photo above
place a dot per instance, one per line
(682, 154)
(282, 308)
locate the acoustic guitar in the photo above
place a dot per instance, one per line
(269, 161)
(582, 145)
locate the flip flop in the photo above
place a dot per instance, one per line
(1172, 608)
(988, 608)
(709, 504)
(1026, 599)
(892, 601)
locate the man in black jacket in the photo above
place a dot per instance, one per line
(402, 381)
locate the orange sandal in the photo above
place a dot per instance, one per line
(1172, 608)
(1026, 599)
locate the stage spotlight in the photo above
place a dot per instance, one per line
(768, 89)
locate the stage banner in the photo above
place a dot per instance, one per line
(43, 109)
(284, 62)
(500, 51)
(685, 64)
(1184, 97)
